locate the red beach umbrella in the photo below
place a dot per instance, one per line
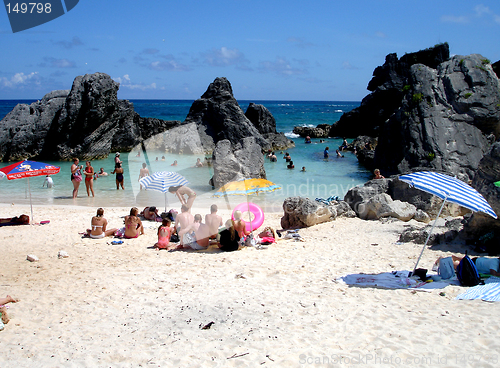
(27, 169)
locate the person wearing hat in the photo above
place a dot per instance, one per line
(117, 158)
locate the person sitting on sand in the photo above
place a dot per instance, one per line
(240, 225)
(213, 221)
(485, 265)
(151, 213)
(197, 235)
(164, 234)
(182, 190)
(183, 221)
(3, 309)
(98, 224)
(229, 238)
(377, 175)
(133, 225)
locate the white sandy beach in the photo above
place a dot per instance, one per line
(129, 305)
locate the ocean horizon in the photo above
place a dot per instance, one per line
(323, 178)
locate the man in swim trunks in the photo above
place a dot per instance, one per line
(198, 235)
(183, 221)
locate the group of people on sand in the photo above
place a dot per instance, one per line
(191, 231)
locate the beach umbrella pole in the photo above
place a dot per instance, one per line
(428, 236)
(31, 204)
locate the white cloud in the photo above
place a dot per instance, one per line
(51, 62)
(126, 82)
(20, 79)
(224, 57)
(481, 9)
(281, 66)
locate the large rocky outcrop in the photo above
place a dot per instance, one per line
(88, 122)
(444, 120)
(429, 111)
(217, 116)
(387, 90)
(232, 162)
(488, 172)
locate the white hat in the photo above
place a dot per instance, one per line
(117, 154)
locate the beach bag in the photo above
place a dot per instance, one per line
(250, 241)
(77, 176)
(467, 272)
(446, 269)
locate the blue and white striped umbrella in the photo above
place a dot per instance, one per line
(162, 180)
(449, 189)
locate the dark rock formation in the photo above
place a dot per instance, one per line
(243, 160)
(487, 173)
(428, 111)
(444, 120)
(86, 122)
(313, 132)
(218, 116)
(387, 87)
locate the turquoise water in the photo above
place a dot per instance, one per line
(322, 178)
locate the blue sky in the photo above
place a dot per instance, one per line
(269, 50)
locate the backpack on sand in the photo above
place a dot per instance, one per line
(467, 272)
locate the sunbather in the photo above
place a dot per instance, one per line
(3, 309)
(133, 224)
(485, 265)
(99, 223)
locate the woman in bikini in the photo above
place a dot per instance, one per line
(89, 178)
(119, 175)
(99, 224)
(76, 176)
(182, 190)
(133, 224)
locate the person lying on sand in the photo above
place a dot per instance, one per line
(485, 265)
(3, 308)
(151, 213)
(98, 224)
(21, 220)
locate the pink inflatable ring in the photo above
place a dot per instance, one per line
(257, 212)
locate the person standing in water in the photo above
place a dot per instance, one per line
(76, 176)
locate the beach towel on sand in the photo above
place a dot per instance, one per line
(489, 292)
(392, 280)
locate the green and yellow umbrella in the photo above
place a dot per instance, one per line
(246, 187)
(497, 183)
